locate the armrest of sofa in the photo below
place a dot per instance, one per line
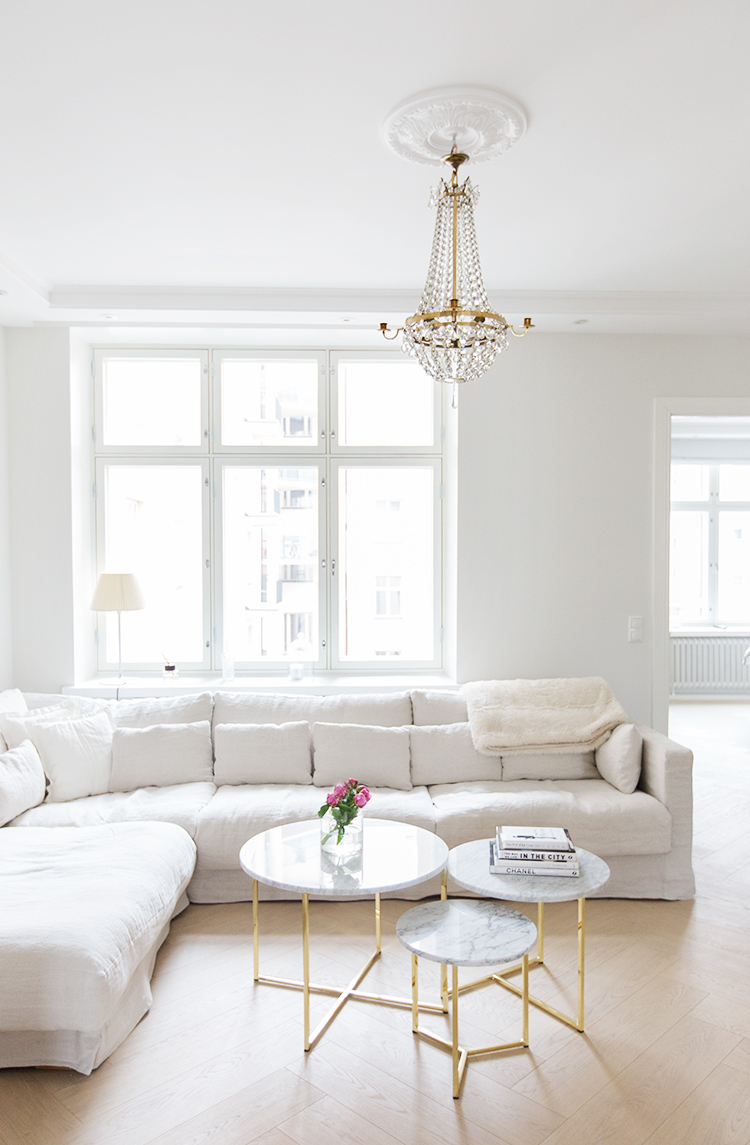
(667, 774)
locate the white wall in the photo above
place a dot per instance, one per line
(556, 496)
(555, 503)
(38, 362)
(6, 650)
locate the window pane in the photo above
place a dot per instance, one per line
(270, 555)
(734, 482)
(153, 527)
(734, 568)
(689, 482)
(386, 563)
(688, 569)
(272, 402)
(385, 403)
(152, 401)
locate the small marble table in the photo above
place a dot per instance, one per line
(393, 856)
(468, 866)
(466, 932)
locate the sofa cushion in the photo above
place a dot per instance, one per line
(599, 818)
(376, 756)
(445, 753)
(619, 759)
(180, 804)
(22, 781)
(12, 700)
(76, 755)
(438, 707)
(262, 753)
(235, 814)
(15, 727)
(144, 713)
(549, 765)
(391, 709)
(161, 755)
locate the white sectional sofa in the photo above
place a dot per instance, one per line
(413, 749)
(113, 814)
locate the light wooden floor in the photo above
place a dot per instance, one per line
(665, 1058)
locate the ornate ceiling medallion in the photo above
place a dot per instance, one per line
(481, 122)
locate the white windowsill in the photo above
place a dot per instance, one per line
(105, 687)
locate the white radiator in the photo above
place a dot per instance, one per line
(709, 665)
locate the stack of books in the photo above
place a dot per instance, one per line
(533, 851)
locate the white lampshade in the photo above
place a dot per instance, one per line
(117, 592)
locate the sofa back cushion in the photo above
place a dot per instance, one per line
(549, 765)
(22, 782)
(263, 753)
(619, 758)
(161, 755)
(145, 713)
(76, 755)
(15, 728)
(445, 753)
(438, 708)
(377, 756)
(392, 709)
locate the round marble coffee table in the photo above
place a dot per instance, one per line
(393, 856)
(468, 866)
(466, 932)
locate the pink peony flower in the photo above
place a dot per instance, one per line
(366, 792)
(361, 798)
(339, 790)
(351, 783)
(331, 799)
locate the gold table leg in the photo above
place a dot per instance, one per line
(460, 1055)
(443, 967)
(501, 978)
(341, 995)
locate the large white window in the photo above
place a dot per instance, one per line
(306, 506)
(710, 545)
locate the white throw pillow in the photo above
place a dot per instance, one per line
(76, 755)
(22, 782)
(262, 753)
(376, 756)
(619, 759)
(17, 728)
(432, 708)
(161, 755)
(148, 713)
(13, 701)
(445, 753)
(549, 765)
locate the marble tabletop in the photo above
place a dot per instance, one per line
(466, 932)
(394, 855)
(469, 867)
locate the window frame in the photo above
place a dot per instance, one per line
(101, 465)
(712, 508)
(100, 354)
(325, 454)
(219, 356)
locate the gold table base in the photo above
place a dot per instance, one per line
(342, 995)
(500, 978)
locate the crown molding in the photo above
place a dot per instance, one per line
(358, 301)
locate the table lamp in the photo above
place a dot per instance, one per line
(117, 592)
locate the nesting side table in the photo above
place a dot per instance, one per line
(393, 856)
(468, 866)
(466, 932)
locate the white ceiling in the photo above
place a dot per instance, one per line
(181, 161)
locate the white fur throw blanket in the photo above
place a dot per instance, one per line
(541, 715)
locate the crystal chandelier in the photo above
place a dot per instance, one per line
(454, 334)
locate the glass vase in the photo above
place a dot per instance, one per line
(351, 840)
